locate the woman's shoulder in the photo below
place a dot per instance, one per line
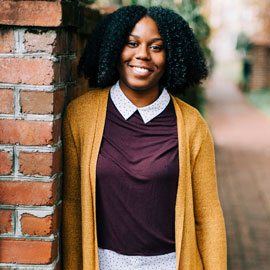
(86, 103)
(88, 99)
(195, 125)
(190, 114)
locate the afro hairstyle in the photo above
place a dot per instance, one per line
(185, 62)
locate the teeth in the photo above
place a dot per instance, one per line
(140, 70)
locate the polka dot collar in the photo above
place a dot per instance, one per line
(127, 108)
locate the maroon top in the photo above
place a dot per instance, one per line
(137, 177)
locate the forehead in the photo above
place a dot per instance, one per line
(146, 27)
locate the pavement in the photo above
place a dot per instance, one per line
(242, 141)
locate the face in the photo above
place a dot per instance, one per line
(142, 61)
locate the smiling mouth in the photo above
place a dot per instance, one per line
(141, 70)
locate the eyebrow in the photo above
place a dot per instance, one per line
(154, 39)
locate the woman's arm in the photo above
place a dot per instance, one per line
(209, 219)
(71, 212)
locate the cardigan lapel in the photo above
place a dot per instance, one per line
(183, 176)
(100, 123)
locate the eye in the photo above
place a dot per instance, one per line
(156, 48)
(132, 44)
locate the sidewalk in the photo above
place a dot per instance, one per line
(242, 138)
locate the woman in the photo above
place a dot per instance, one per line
(140, 187)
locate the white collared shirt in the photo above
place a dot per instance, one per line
(110, 260)
(127, 108)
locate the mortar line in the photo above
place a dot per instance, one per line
(16, 163)
(31, 117)
(28, 208)
(31, 266)
(54, 147)
(31, 87)
(23, 178)
(13, 99)
(17, 103)
(41, 149)
(46, 56)
(50, 238)
(14, 222)
(17, 231)
(19, 41)
(6, 148)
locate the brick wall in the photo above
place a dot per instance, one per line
(260, 72)
(40, 43)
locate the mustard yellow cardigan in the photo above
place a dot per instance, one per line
(199, 224)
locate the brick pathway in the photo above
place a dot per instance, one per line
(242, 138)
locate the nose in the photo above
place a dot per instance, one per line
(142, 52)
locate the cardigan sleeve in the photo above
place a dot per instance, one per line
(210, 228)
(71, 211)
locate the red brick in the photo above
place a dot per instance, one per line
(71, 92)
(89, 18)
(72, 41)
(59, 99)
(28, 193)
(61, 42)
(57, 266)
(5, 221)
(81, 44)
(74, 73)
(26, 132)
(57, 161)
(79, 89)
(27, 251)
(6, 101)
(66, 42)
(83, 89)
(5, 163)
(65, 72)
(57, 130)
(28, 71)
(45, 226)
(40, 163)
(37, 102)
(42, 102)
(40, 41)
(35, 13)
(81, 81)
(6, 41)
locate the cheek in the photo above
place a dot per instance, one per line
(162, 62)
(125, 55)
(123, 59)
(120, 65)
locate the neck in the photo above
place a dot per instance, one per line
(140, 98)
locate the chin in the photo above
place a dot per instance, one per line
(140, 87)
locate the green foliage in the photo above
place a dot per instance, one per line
(196, 98)
(260, 99)
(191, 12)
(243, 43)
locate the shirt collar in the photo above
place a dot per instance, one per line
(127, 108)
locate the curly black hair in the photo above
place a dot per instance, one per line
(185, 62)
